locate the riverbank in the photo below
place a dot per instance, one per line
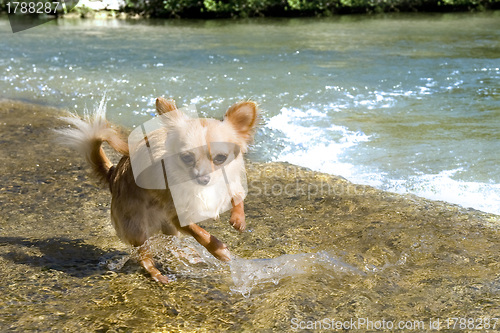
(374, 254)
(210, 9)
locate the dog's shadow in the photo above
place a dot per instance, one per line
(71, 256)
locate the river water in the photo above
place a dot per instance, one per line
(408, 103)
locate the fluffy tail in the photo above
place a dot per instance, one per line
(87, 135)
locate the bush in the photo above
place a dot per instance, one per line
(251, 8)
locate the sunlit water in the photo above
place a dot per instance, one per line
(407, 103)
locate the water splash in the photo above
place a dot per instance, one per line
(181, 257)
(185, 257)
(116, 264)
(248, 274)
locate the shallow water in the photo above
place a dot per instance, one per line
(318, 248)
(407, 103)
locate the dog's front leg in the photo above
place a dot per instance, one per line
(212, 244)
(147, 262)
(237, 219)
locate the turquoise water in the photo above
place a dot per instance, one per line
(407, 103)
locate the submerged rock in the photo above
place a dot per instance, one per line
(318, 248)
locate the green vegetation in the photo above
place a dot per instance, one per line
(290, 8)
(287, 8)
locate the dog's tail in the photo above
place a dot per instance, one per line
(87, 135)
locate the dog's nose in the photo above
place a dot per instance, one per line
(203, 180)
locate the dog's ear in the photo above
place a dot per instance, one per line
(163, 105)
(243, 117)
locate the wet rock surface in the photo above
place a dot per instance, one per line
(62, 267)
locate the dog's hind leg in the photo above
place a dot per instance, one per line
(212, 244)
(146, 260)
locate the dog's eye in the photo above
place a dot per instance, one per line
(219, 159)
(188, 158)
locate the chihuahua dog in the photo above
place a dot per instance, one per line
(204, 153)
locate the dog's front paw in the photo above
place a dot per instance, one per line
(161, 278)
(238, 221)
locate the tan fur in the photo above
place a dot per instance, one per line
(139, 213)
(165, 105)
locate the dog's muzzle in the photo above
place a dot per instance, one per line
(203, 180)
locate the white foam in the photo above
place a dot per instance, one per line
(312, 145)
(320, 148)
(441, 186)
